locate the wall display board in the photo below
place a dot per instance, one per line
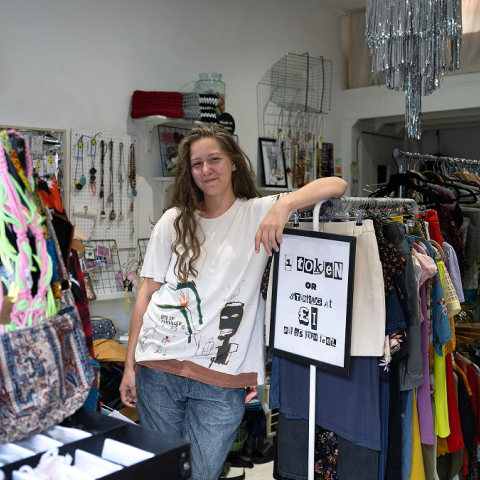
(47, 149)
(103, 185)
(312, 298)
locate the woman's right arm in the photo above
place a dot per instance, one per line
(128, 392)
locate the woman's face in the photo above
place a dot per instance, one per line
(211, 168)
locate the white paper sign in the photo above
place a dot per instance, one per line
(312, 298)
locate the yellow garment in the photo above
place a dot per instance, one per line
(451, 344)
(109, 351)
(442, 427)
(417, 471)
(398, 218)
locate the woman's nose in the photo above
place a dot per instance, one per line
(206, 168)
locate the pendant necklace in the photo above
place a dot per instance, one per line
(92, 153)
(102, 172)
(79, 156)
(112, 215)
(132, 175)
(121, 178)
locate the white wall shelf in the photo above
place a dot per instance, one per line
(273, 190)
(112, 296)
(163, 179)
(153, 121)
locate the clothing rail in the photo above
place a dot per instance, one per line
(403, 160)
(342, 205)
(358, 202)
(369, 203)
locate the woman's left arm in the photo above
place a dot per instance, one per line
(270, 231)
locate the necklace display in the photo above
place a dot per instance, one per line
(92, 153)
(80, 184)
(107, 195)
(112, 215)
(121, 178)
(103, 148)
(132, 175)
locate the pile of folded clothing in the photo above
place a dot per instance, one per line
(190, 105)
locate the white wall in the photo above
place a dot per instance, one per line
(454, 142)
(75, 64)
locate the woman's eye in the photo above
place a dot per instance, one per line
(196, 164)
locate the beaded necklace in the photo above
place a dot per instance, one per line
(103, 151)
(132, 175)
(121, 178)
(112, 215)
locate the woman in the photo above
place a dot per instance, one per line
(196, 333)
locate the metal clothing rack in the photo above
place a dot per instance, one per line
(340, 208)
(351, 202)
(404, 160)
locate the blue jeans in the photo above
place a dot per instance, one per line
(207, 416)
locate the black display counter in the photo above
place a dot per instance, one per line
(171, 460)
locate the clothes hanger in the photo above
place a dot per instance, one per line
(406, 180)
(458, 186)
(440, 256)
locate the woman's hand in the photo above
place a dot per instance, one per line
(128, 391)
(270, 231)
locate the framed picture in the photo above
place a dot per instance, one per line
(312, 297)
(273, 163)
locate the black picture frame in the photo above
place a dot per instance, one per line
(312, 299)
(273, 163)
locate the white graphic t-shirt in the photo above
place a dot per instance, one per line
(210, 327)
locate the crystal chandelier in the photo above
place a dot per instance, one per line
(414, 42)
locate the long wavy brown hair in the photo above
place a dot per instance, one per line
(187, 197)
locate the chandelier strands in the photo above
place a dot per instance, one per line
(414, 42)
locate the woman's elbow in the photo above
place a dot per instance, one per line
(339, 187)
